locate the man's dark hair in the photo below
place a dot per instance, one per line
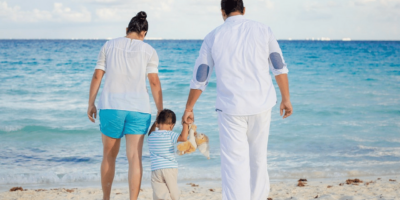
(166, 116)
(230, 6)
(138, 23)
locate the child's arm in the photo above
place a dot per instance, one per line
(184, 133)
(153, 128)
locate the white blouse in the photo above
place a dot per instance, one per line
(126, 63)
(242, 52)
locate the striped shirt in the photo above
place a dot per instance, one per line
(162, 152)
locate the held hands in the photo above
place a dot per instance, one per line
(287, 106)
(188, 117)
(92, 111)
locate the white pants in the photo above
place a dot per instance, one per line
(244, 141)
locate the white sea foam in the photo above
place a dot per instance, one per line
(184, 175)
(381, 151)
(11, 128)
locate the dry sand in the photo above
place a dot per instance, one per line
(372, 188)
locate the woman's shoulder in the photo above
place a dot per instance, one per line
(148, 48)
(117, 40)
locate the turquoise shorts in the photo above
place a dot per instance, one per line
(117, 123)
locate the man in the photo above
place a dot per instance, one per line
(241, 51)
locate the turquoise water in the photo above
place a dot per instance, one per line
(346, 121)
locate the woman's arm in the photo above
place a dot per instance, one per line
(153, 128)
(156, 90)
(184, 133)
(94, 89)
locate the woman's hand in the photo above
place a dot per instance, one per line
(94, 88)
(92, 111)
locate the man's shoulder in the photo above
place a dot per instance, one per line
(209, 39)
(257, 23)
(212, 33)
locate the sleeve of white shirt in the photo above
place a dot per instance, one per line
(152, 65)
(101, 60)
(203, 68)
(276, 62)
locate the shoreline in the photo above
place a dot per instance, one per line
(376, 187)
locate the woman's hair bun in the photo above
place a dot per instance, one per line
(141, 15)
(138, 23)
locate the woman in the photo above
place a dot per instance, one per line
(124, 103)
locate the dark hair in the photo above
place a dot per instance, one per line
(138, 23)
(230, 6)
(166, 116)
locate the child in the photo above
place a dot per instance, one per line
(164, 167)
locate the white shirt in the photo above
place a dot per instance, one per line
(242, 52)
(126, 63)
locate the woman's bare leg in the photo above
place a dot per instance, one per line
(110, 152)
(134, 145)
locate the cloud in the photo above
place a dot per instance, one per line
(389, 3)
(383, 11)
(129, 9)
(317, 11)
(59, 13)
(109, 2)
(195, 18)
(268, 3)
(363, 2)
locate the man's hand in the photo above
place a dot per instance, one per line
(188, 117)
(287, 107)
(92, 111)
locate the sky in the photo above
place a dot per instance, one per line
(193, 19)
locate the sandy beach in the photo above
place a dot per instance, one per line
(348, 189)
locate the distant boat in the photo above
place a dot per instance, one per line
(346, 39)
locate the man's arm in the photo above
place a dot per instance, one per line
(201, 75)
(283, 83)
(279, 68)
(188, 116)
(184, 133)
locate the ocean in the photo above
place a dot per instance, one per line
(346, 120)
